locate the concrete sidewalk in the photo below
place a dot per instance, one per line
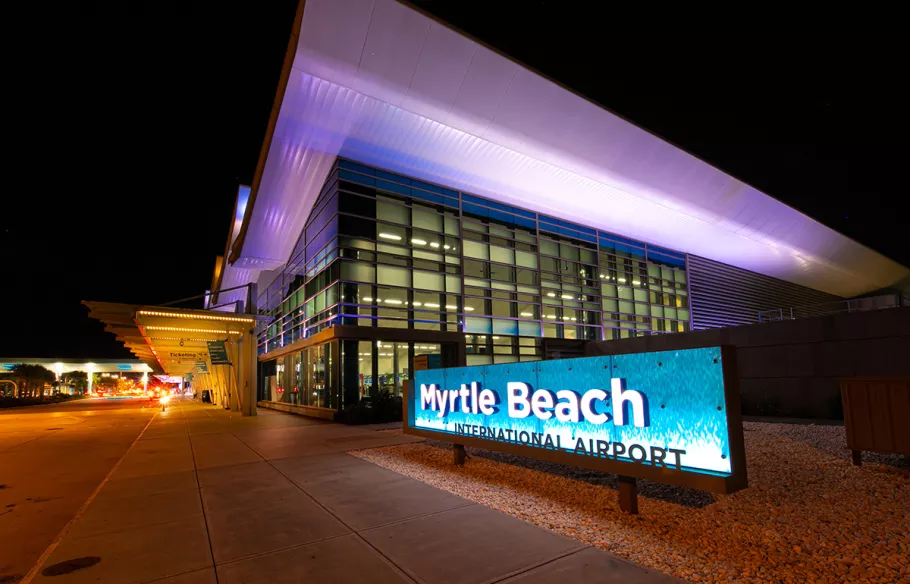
(206, 496)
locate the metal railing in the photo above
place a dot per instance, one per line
(828, 308)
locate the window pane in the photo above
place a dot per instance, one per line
(478, 325)
(525, 259)
(392, 212)
(502, 255)
(394, 276)
(529, 328)
(505, 327)
(429, 280)
(426, 219)
(453, 284)
(472, 249)
(358, 272)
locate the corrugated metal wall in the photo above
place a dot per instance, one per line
(722, 295)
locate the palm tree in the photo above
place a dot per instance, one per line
(32, 379)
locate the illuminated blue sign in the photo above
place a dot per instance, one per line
(657, 415)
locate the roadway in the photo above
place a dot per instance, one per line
(52, 458)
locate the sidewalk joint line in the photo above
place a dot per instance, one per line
(518, 572)
(340, 520)
(205, 517)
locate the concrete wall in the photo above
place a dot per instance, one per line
(791, 368)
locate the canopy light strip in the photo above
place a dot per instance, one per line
(199, 316)
(191, 330)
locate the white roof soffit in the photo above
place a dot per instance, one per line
(380, 83)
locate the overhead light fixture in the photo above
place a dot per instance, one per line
(431, 305)
(434, 244)
(451, 307)
(446, 247)
(566, 297)
(392, 301)
(469, 308)
(391, 236)
(368, 299)
(527, 314)
(418, 241)
(551, 294)
(416, 303)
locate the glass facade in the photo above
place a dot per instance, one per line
(384, 250)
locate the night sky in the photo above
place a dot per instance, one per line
(152, 115)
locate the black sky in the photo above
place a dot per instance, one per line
(151, 115)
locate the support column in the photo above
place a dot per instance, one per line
(233, 354)
(248, 355)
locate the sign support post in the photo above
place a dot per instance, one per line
(628, 495)
(458, 451)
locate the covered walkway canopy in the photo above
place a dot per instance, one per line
(175, 341)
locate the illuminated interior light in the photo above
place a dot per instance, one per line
(495, 338)
(551, 294)
(378, 300)
(368, 299)
(469, 308)
(417, 304)
(623, 280)
(636, 283)
(431, 305)
(418, 241)
(451, 307)
(446, 247)
(392, 301)
(434, 244)
(551, 316)
(566, 297)
(391, 236)
(573, 318)
(527, 314)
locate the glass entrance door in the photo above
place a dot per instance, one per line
(392, 359)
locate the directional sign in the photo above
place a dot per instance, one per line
(202, 366)
(218, 353)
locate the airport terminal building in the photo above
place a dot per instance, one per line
(424, 201)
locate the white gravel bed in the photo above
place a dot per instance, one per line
(808, 515)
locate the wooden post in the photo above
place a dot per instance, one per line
(458, 451)
(857, 457)
(628, 495)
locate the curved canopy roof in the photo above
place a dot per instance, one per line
(378, 82)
